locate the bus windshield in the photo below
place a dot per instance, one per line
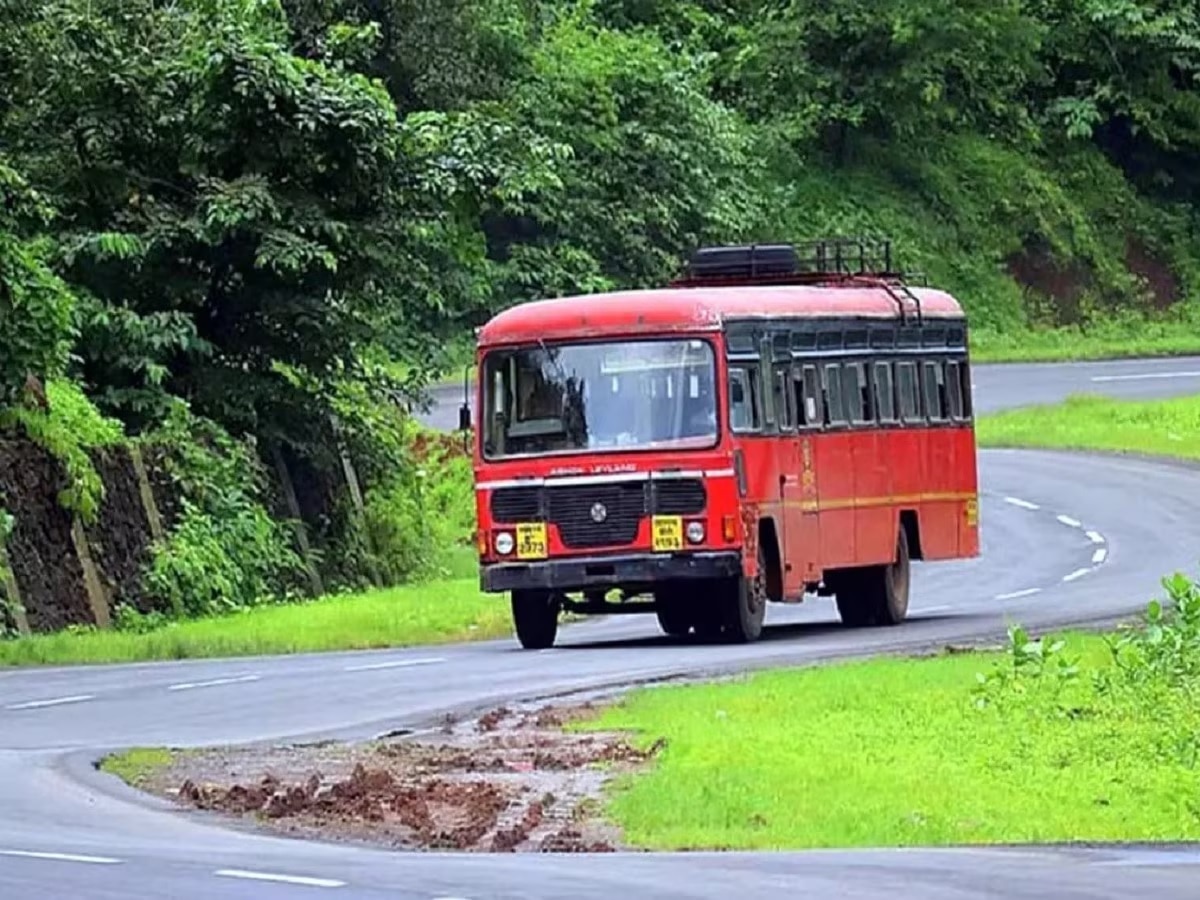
(597, 397)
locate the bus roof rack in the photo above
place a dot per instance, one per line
(828, 261)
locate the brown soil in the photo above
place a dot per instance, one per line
(509, 781)
(1160, 279)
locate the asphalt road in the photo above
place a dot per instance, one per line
(1065, 539)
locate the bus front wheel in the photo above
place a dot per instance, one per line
(535, 618)
(745, 605)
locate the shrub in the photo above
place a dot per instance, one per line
(225, 552)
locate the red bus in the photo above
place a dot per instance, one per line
(771, 425)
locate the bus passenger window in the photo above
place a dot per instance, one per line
(968, 397)
(935, 391)
(907, 389)
(743, 406)
(885, 396)
(783, 410)
(835, 410)
(855, 394)
(954, 391)
(808, 397)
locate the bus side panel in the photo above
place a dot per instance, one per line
(763, 494)
(834, 452)
(943, 492)
(874, 517)
(905, 448)
(968, 481)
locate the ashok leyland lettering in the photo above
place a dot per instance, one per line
(769, 426)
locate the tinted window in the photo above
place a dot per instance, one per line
(885, 396)
(744, 406)
(954, 391)
(907, 391)
(835, 410)
(783, 410)
(855, 393)
(935, 391)
(808, 397)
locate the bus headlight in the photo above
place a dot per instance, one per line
(695, 532)
(504, 543)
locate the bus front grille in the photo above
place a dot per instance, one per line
(597, 515)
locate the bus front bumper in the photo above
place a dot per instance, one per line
(580, 573)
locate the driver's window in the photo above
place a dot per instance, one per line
(744, 409)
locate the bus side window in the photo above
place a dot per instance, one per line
(835, 411)
(885, 394)
(907, 389)
(783, 408)
(743, 405)
(968, 397)
(807, 386)
(855, 394)
(935, 391)
(954, 391)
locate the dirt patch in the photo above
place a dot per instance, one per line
(43, 559)
(511, 780)
(1160, 279)
(120, 538)
(1062, 284)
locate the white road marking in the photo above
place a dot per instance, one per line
(1095, 537)
(285, 879)
(1069, 522)
(1024, 504)
(216, 682)
(1141, 376)
(1015, 595)
(395, 664)
(61, 857)
(1099, 556)
(57, 701)
(1078, 573)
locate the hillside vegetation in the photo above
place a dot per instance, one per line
(229, 227)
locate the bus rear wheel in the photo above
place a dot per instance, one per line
(535, 618)
(877, 595)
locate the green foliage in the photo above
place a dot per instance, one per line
(225, 552)
(70, 427)
(416, 518)
(36, 307)
(1153, 676)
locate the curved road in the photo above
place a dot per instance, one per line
(1065, 539)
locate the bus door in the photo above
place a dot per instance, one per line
(800, 489)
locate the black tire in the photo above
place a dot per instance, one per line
(745, 605)
(535, 618)
(877, 595)
(674, 612)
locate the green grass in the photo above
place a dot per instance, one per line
(891, 752)
(1072, 345)
(436, 612)
(1156, 427)
(137, 765)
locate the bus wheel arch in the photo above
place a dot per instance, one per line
(911, 526)
(770, 558)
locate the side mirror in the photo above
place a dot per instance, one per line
(464, 417)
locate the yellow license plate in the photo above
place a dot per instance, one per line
(667, 532)
(531, 540)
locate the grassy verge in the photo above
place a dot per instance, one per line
(1073, 345)
(437, 612)
(1157, 427)
(138, 765)
(896, 752)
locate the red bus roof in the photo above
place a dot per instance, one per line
(700, 309)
